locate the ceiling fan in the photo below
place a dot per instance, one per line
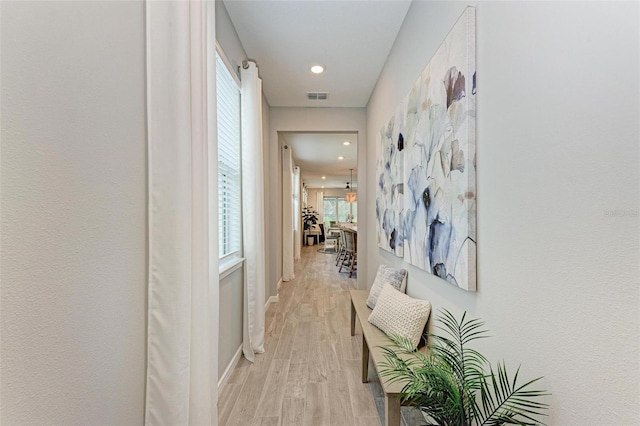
(350, 183)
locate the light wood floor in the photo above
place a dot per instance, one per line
(310, 372)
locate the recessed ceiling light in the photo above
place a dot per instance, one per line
(324, 177)
(317, 69)
(322, 186)
(341, 158)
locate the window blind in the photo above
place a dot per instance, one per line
(229, 172)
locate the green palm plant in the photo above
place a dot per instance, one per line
(450, 384)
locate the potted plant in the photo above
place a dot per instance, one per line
(309, 218)
(450, 384)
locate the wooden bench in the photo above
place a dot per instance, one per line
(372, 339)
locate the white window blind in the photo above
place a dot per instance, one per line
(229, 172)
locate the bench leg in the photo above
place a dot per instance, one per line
(365, 360)
(353, 319)
(391, 410)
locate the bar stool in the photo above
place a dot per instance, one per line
(341, 248)
(351, 251)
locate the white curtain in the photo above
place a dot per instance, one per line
(320, 204)
(183, 290)
(297, 217)
(288, 250)
(254, 212)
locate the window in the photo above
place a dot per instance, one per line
(337, 209)
(229, 172)
(329, 211)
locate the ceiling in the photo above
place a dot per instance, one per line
(317, 155)
(350, 38)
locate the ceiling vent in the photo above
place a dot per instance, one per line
(317, 96)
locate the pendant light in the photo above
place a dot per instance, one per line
(351, 197)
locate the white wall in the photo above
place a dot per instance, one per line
(231, 305)
(340, 120)
(73, 213)
(227, 37)
(558, 193)
(332, 192)
(312, 198)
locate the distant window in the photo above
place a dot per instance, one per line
(336, 209)
(329, 211)
(229, 171)
(343, 210)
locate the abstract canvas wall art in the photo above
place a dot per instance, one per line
(390, 187)
(432, 134)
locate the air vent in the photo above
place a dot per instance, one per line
(317, 96)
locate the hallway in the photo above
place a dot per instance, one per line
(310, 372)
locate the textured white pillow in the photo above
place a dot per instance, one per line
(387, 274)
(398, 314)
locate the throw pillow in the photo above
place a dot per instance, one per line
(387, 274)
(398, 314)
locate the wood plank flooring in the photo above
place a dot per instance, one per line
(309, 374)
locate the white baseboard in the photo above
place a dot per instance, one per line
(271, 300)
(234, 361)
(275, 298)
(225, 376)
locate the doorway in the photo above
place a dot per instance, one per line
(319, 171)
